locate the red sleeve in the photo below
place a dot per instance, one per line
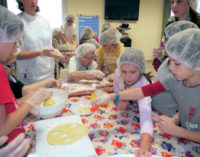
(153, 89)
(5, 91)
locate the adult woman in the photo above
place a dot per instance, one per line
(69, 29)
(183, 10)
(83, 66)
(87, 37)
(109, 51)
(35, 62)
(11, 112)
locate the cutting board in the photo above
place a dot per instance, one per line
(81, 148)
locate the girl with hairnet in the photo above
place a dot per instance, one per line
(164, 103)
(109, 51)
(36, 59)
(130, 74)
(183, 10)
(87, 37)
(82, 65)
(11, 112)
(183, 49)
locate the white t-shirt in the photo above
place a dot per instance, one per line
(69, 31)
(75, 65)
(37, 37)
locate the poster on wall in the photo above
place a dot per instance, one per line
(91, 21)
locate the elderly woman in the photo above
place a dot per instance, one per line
(109, 51)
(183, 10)
(36, 60)
(82, 65)
(69, 29)
(87, 37)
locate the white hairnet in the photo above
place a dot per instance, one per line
(105, 27)
(178, 26)
(110, 37)
(87, 33)
(185, 47)
(84, 49)
(193, 4)
(11, 27)
(132, 56)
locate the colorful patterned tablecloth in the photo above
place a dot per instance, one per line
(118, 132)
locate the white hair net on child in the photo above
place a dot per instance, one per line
(184, 46)
(11, 27)
(178, 26)
(84, 49)
(110, 37)
(132, 56)
(193, 4)
(87, 33)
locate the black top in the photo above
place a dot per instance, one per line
(16, 87)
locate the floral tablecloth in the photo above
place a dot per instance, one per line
(118, 132)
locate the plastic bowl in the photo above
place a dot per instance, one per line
(60, 96)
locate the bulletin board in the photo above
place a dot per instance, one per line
(91, 21)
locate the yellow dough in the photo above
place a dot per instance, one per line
(85, 109)
(49, 102)
(66, 134)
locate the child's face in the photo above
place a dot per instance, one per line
(180, 70)
(110, 48)
(129, 73)
(6, 50)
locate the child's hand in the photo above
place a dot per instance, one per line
(166, 124)
(142, 153)
(155, 117)
(122, 105)
(104, 99)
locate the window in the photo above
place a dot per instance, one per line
(49, 9)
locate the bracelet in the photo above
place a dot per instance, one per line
(116, 97)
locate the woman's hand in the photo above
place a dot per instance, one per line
(54, 53)
(35, 98)
(16, 148)
(157, 53)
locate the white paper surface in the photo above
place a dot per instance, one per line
(81, 148)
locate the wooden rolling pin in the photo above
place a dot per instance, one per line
(110, 84)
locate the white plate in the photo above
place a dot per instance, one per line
(78, 106)
(60, 97)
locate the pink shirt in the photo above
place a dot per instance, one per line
(146, 123)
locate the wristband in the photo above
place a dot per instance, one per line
(116, 100)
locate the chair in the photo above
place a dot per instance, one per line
(63, 74)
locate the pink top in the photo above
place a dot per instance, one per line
(146, 123)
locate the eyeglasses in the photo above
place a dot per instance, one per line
(89, 58)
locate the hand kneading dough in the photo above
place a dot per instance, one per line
(49, 102)
(66, 134)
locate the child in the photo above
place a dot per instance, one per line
(183, 50)
(129, 74)
(11, 114)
